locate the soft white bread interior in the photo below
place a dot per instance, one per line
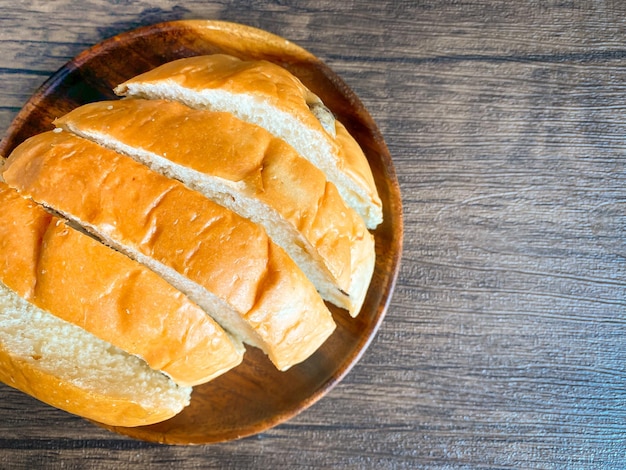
(63, 365)
(268, 95)
(223, 262)
(243, 167)
(76, 278)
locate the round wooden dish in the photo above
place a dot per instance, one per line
(254, 396)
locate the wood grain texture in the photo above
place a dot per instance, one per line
(504, 343)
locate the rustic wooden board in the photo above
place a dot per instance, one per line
(503, 346)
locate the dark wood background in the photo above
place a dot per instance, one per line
(504, 343)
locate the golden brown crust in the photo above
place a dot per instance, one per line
(118, 300)
(162, 219)
(86, 402)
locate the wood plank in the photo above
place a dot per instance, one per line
(503, 344)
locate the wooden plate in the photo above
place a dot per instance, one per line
(254, 396)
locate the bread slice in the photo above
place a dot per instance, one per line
(268, 95)
(225, 263)
(244, 168)
(64, 366)
(76, 278)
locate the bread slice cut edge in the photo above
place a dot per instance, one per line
(68, 368)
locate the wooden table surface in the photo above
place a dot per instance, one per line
(504, 343)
